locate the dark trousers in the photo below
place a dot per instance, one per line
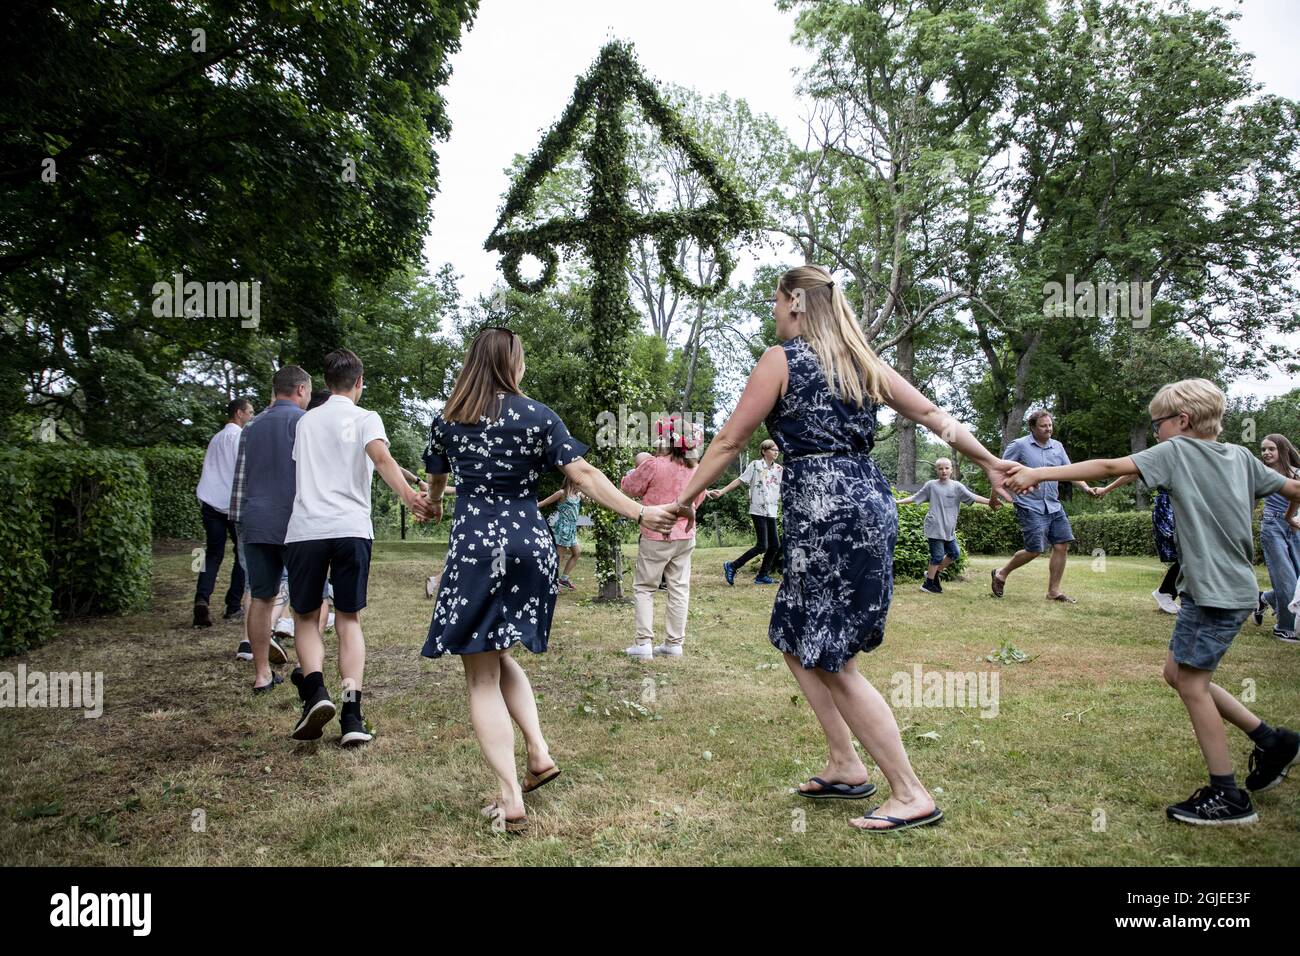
(765, 531)
(216, 528)
(1171, 578)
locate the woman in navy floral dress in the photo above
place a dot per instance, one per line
(819, 392)
(499, 585)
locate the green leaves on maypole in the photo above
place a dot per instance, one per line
(607, 231)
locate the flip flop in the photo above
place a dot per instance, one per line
(534, 780)
(838, 791)
(1065, 598)
(998, 585)
(898, 822)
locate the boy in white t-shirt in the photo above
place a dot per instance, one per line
(337, 448)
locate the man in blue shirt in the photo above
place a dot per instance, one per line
(261, 502)
(1042, 519)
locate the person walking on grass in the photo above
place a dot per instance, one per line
(818, 393)
(763, 478)
(564, 525)
(1213, 487)
(1042, 519)
(945, 497)
(1279, 535)
(499, 584)
(261, 502)
(337, 448)
(213, 493)
(664, 557)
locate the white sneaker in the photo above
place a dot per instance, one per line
(284, 626)
(668, 650)
(643, 651)
(1167, 604)
(329, 622)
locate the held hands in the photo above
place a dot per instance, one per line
(1019, 479)
(1000, 487)
(424, 508)
(713, 494)
(660, 518)
(684, 510)
(1294, 522)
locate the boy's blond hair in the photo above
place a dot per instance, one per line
(1197, 398)
(942, 461)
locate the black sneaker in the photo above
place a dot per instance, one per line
(317, 711)
(938, 584)
(1268, 767)
(1213, 807)
(245, 652)
(931, 587)
(276, 654)
(1286, 637)
(1260, 607)
(201, 616)
(275, 679)
(354, 730)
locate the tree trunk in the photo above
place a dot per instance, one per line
(905, 364)
(1137, 441)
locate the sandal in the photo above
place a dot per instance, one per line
(998, 584)
(517, 825)
(834, 790)
(534, 780)
(1065, 598)
(897, 823)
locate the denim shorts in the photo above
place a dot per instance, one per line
(939, 547)
(1039, 530)
(1202, 635)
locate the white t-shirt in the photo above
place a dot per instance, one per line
(332, 497)
(219, 468)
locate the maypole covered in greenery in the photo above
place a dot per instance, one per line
(606, 233)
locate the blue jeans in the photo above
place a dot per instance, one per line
(1282, 556)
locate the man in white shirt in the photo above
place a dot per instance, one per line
(213, 493)
(337, 448)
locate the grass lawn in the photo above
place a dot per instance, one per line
(697, 767)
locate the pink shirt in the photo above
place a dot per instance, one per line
(660, 481)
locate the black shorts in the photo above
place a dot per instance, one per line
(345, 561)
(264, 565)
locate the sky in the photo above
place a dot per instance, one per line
(517, 66)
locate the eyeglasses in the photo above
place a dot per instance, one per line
(1155, 422)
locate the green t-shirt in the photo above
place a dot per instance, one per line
(1213, 487)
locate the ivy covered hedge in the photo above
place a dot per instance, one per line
(26, 618)
(95, 529)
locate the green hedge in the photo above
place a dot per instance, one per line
(1120, 533)
(912, 553)
(173, 477)
(95, 529)
(26, 620)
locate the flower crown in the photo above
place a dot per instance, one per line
(675, 432)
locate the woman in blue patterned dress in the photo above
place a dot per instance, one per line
(499, 585)
(819, 392)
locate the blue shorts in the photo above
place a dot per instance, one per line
(344, 562)
(1040, 530)
(264, 565)
(939, 547)
(1202, 635)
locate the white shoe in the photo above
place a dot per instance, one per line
(643, 651)
(329, 622)
(1167, 604)
(284, 626)
(668, 650)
